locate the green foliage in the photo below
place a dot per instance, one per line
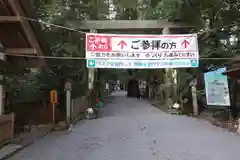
(126, 10)
(69, 43)
(62, 42)
(218, 22)
(218, 19)
(24, 88)
(114, 74)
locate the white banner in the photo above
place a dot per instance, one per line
(141, 64)
(121, 46)
(156, 55)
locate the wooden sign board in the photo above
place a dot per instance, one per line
(53, 96)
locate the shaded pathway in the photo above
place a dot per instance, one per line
(132, 129)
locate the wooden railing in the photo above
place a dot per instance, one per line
(6, 128)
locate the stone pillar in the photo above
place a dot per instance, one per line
(68, 87)
(194, 96)
(170, 79)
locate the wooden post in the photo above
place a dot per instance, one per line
(53, 113)
(91, 71)
(1, 97)
(2, 57)
(170, 79)
(12, 125)
(167, 70)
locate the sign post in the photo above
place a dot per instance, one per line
(53, 98)
(216, 88)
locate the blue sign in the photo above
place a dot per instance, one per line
(194, 63)
(142, 64)
(91, 63)
(216, 88)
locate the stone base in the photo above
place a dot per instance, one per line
(173, 111)
(90, 116)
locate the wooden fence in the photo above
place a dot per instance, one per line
(78, 107)
(6, 128)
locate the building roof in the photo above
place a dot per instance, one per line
(20, 36)
(234, 68)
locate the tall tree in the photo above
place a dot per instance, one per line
(63, 41)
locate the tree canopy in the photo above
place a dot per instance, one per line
(215, 21)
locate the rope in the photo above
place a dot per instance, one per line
(72, 29)
(82, 32)
(83, 58)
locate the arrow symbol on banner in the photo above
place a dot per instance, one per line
(185, 43)
(92, 46)
(122, 43)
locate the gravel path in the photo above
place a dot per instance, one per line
(132, 129)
